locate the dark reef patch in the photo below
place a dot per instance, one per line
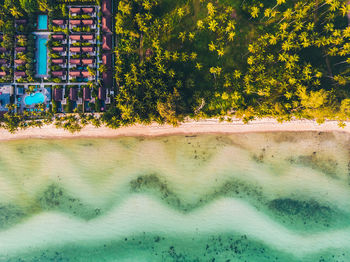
(10, 215)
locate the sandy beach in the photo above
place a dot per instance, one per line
(187, 127)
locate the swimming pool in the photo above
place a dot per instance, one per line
(42, 22)
(32, 99)
(41, 56)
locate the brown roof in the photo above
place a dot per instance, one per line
(102, 93)
(87, 10)
(86, 94)
(57, 73)
(107, 42)
(20, 49)
(107, 24)
(87, 61)
(106, 7)
(107, 79)
(58, 21)
(75, 10)
(75, 37)
(3, 61)
(87, 37)
(75, 61)
(87, 49)
(57, 61)
(74, 73)
(58, 48)
(57, 94)
(19, 61)
(107, 59)
(75, 49)
(88, 22)
(85, 73)
(20, 73)
(58, 37)
(2, 73)
(75, 22)
(73, 94)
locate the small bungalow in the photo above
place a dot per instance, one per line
(58, 73)
(58, 61)
(20, 21)
(58, 22)
(58, 94)
(107, 24)
(87, 49)
(87, 22)
(75, 10)
(73, 94)
(88, 37)
(107, 60)
(3, 61)
(19, 62)
(88, 10)
(20, 49)
(20, 74)
(86, 74)
(107, 79)
(74, 73)
(75, 22)
(86, 94)
(87, 61)
(2, 49)
(75, 49)
(107, 42)
(2, 73)
(75, 37)
(75, 61)
(58, 48)
(58, 37)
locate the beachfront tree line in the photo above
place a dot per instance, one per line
(248, 59)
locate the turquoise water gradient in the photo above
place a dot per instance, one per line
(42, 56)
(34, 99)
(42, 22)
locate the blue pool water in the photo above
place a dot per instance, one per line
(41, 56)
(36, 98)
(42, 22)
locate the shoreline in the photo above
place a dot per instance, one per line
(186, 128)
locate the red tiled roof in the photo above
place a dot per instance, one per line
(107, 24)
(58, 37)
(57, 73)
(19, 61)
(87, 49)
(57, 61)
(86, 73)
(88, 10)
(58, 48)
(88, 22)
(2, 73)
(74, 61)
(106, 7)
(75, 10)
(74, 73)
(87, 37)
(58, 22)
(75, 22)
(107, 59)
(107, 42)
(75, 37)
(20, 73)
(75, 49)
(87, 61)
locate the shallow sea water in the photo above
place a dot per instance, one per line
(240, 197)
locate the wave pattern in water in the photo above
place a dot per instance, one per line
(255, 197)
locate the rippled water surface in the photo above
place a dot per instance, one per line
(242, 197)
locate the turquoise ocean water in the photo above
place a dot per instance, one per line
(241, 197)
